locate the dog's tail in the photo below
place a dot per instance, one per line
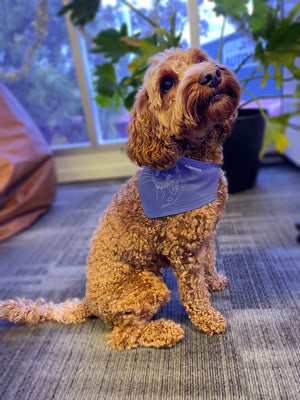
(27, 312)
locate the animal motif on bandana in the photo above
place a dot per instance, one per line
(168, 184)
(189, 184)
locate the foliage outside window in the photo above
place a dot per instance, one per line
(49, 91)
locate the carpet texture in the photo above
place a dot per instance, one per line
(257, 357)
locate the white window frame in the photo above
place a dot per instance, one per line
(95, 160)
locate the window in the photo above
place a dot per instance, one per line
(49, 92)
(88, 141)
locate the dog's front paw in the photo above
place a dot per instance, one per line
(216, 282)
(210, 323)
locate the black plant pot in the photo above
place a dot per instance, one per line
(241, 150)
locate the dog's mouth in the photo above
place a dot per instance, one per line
(213, 104)
(214, 99)
(220, 95)
(217, 97)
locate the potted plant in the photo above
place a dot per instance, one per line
(276, 40)
(276, 45)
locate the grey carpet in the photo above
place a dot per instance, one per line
(258, 356)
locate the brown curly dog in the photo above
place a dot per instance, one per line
(184, 111)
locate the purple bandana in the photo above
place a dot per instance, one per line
(188, 185)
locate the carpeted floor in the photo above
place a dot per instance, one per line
(257, 358)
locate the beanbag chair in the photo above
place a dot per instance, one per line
(27, 171)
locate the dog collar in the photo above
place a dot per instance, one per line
(187, 185)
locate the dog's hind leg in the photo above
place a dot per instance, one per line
(213, 279)
(128, 305)
(159, 333)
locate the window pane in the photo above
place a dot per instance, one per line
(49, 92)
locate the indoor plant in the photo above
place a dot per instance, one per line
(276, 42)
(276, 39)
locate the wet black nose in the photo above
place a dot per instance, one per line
(211, 77)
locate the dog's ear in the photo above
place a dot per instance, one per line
(149, 144)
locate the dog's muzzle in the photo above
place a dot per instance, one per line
(211, 77)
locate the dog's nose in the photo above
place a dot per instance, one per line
(211, 77)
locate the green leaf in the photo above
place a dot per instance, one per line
(147, 50)
(263, 19)
(106, 79)
(108, 101)
(82, 11)
(279, 43)
(112, 44)
(265, 78)
(106, 71)
(129, 100)
(173, 40)
(233, 8)
(274, 134)
(294, 14)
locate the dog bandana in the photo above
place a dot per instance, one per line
(187, 185)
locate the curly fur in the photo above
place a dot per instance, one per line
(125, 286)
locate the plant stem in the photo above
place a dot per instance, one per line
(242, 63)
(294, 126)
(138, 12)
(257, 102)
(227, 38)
(254, 98)
(221, 39)
(250, 77)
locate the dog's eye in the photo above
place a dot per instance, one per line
(202, 60)
(166, 84)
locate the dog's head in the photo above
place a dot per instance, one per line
(187, 103)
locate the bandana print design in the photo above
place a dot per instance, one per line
(187, 185)
(168, 185)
